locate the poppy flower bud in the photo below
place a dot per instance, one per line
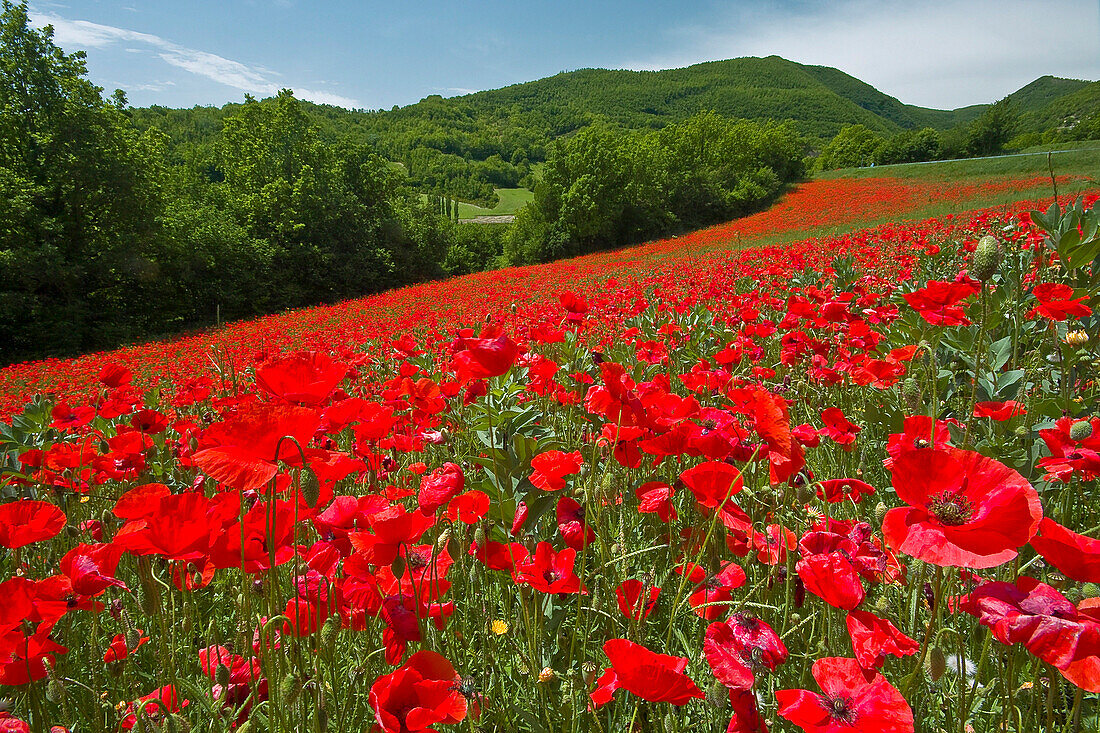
(880, 511)
(290, 688)
(1090, 590)
(479, 536)
(177, 724)
(911, 392)
(936, 664)
(55, 690)
(330, 631)
(398, 566)
(444, 538)
(222, 675)
(311, 488)
(1080, 430)
(986, 258)
(717, 696)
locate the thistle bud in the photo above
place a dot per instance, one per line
(1080, 430)
(986, 259)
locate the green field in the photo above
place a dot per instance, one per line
(1080, 159)
(511, 201)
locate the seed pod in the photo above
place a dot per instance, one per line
(936, 664)
(1080, 430)
(589, 669)
(986, 258)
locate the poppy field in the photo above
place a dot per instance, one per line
(712, 483)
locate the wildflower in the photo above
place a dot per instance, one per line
(965, 510)
(854, 699)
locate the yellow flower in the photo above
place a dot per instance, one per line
(498, 627)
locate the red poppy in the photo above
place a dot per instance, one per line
(773, 424)
(655, 497)
(548, 571)
(1085, 672)
(25, 522)
(571, 524)
(650, 676)
(837, 490)
(166, 701)
(91, 568)
(469, 507)
(741, 646)
(712, 483)
(746, 715)
(636, 599)
(1057, 303)
(937, 302)
(1038, 616)
(965, 510)
(839, 428)
(874, 638)
(305, 378)
(118, 651)
(423, 692)
(480, 358)
(242, 451)
(1076, 556)
(440, 486)
(855, 699)
(390, 528)
(999, 411)
(551, 468)
(710, 600)
(9, 724)
(826, 567)
(773, 544)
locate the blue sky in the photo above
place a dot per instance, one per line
(371, 54)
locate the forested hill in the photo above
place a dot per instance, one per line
(467, 146)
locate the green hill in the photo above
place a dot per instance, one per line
(468, 146)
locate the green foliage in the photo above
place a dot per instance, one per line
(853, 147)
(80, 241)
(603, 188)
(989, 134)
(911, 146)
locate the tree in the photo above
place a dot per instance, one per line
(988, 134)
(80, 242)
(852, 147)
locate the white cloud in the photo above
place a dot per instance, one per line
(252, 79)
(935, 53)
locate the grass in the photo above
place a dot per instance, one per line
(1083, 161)
(511, 201)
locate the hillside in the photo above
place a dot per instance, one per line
(468, 146)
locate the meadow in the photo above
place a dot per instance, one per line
(829, 467)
